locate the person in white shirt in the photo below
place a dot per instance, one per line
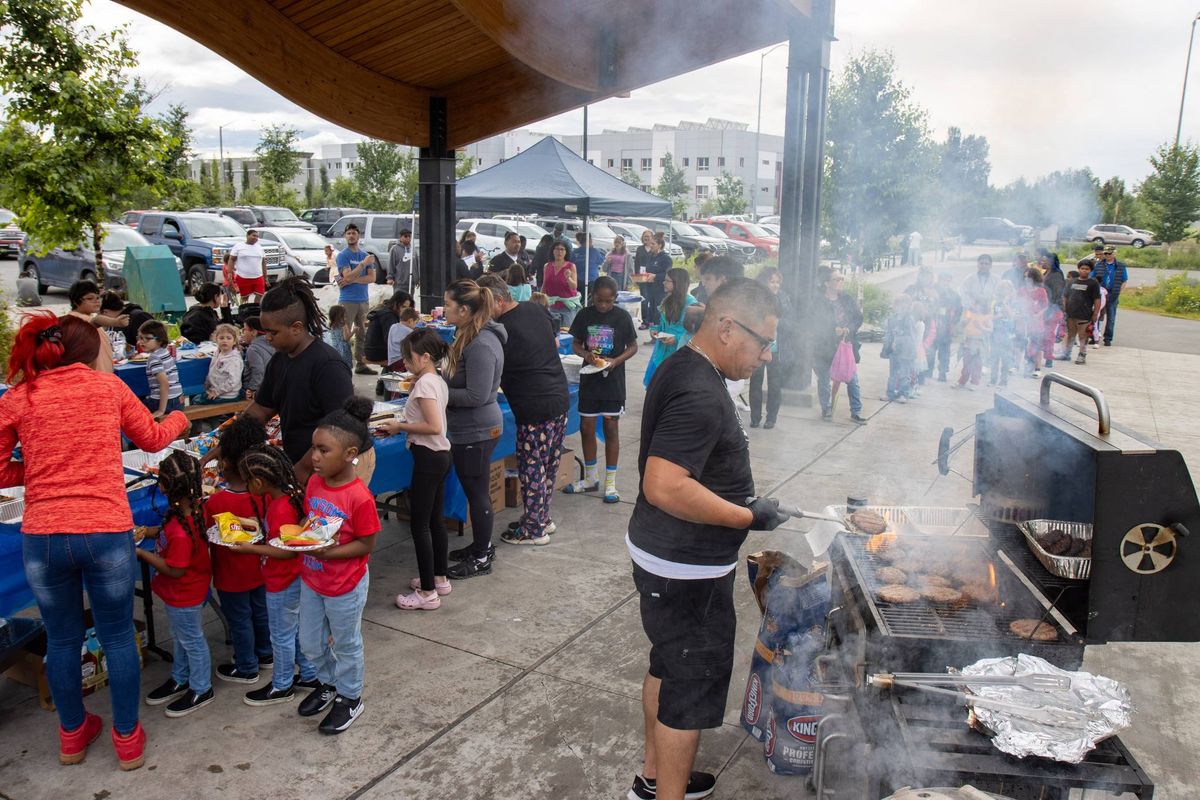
(914, 248)
(249, 262)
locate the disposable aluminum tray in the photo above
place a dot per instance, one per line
(139, 461)
(12, 511)
(937, 521)
(1072, 567)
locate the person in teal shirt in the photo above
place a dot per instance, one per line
(670, 334)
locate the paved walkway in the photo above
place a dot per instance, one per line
(525, 684)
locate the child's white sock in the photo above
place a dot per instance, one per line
(610, 480)
(591, 472)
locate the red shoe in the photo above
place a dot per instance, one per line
(73, 745)
(131, 749)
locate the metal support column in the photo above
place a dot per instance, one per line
(803, 170)
(436, 178)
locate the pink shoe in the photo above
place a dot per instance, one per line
(442, 589)
(131, 749)
(417, 602)
(73, 745)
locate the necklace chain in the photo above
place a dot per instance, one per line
(693, 346)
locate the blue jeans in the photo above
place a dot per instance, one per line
(1110, 316)
(342, 664)
(59, 566)
(193, 662)
(283, 612)
(246, 613)
(173, 404)
(824, 391)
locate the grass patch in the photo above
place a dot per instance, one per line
(1174, 296)
(1182, 256)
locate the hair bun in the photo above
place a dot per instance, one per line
(359, 407)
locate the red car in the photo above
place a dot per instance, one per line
(132, 218)
(766, 244)
(11, 236)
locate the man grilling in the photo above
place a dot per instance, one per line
(693, 511)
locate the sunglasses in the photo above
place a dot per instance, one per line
(764, 343)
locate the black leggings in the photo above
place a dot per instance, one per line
(473, 462)
(426, 498)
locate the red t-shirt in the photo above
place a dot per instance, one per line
(232, 571)
(280, 572)
(187, 551)
(355, 506)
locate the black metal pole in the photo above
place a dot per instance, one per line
(435, 224)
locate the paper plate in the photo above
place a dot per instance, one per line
(277, 542)
(214, 536)
(591, 369)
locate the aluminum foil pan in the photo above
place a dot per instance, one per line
(1073, 567)
(1065, 724)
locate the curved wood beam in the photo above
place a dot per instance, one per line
(286, 58)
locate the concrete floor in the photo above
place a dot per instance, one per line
(525, 683)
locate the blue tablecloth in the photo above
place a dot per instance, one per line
(148, 507)
(192, 372)
(394, 464)
(564, 344)
(447, 334)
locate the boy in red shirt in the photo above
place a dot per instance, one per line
(335, 579)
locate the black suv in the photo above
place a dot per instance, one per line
(324, 218)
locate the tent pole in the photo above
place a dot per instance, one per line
(436, 179)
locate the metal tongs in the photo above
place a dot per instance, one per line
(1035, 682)
(799, 513)
(1041, 714)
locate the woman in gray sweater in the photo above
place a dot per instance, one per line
(473, 418)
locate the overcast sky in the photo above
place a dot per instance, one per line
(1051, 83)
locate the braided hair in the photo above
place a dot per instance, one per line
(272, 466)
(180, 478)
(294, 301)
(349, 423)
(238, 437)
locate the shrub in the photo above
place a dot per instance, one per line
(1178, 295)
(876, 302)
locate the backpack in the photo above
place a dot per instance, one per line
(379, 322)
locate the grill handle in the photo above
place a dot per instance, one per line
(1102, 414)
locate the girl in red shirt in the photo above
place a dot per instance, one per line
(271, 480)
(180, 559)
(334, 588)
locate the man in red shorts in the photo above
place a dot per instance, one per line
(249, 262)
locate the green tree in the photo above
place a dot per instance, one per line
(464, 165)
(1172, 191)
(731, 194)
(880, 157)
(963, 169)
(245, 179)
(75, 142)
(381, 172)
(673, 186)
(278, 163)
(1113, 200)
(345, 192)
(1068, 198)
(324, 186)
(631, 177)
(228, 189)
(310, 192)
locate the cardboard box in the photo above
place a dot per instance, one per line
(568, 471)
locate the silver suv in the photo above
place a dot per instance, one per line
(1119, 234)
(379, 233)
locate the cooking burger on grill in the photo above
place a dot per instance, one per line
(868, 522)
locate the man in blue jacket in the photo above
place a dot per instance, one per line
(1112, 275)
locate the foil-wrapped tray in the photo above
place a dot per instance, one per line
(1072, 567)
(1064, 724)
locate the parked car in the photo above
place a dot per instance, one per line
(602, 235)
(303, 251)
(997, 229)
(276, 217)
(490, 233)
(740, 250)
(201, 240)
(379, 232)
(633, 236)
(747, 233)
(323, 218)
(1119, 234)
(132, 218)
(771, 228)
(11, 235)
(770, 219)
(62, 266)
(242, 216)
(687, 237)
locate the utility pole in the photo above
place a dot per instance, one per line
(758, 132)
(1186, 69)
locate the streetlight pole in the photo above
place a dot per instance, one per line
(758, 129)
(1186, 69)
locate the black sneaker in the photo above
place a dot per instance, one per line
(858, 419)
(472, 567)
(166, 693)
(189, 703)
(317, 701)
(266, 663)
(309, 684)
(229, 672)
(464, 553)
(512, 526)
(700, 784)
(269, 696)
(363, 369)
(342, 715)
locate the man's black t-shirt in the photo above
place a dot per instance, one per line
(303, 390)
(607, 334)
(379, 322)
(1080, 296)
(501, 262)
(533, 379)
(689, 420)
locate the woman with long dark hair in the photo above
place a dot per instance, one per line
(473, 417)
(670, 334)
(561, 284)
(836, 318)
(78, 528)
(772, 372)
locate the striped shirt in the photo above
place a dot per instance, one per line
(161, 362)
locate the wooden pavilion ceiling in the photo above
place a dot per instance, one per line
(372, 65)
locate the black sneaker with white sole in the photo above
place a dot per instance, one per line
(166, 693)
(189, 702)
(342, 715)
(317, 701)
(309, 684)
(550, 528)
(464, 553)
(266, 663)
(269, 696)
(700, 784)
(230, 672)
(471, 567)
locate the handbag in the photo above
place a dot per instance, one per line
(843, 368)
